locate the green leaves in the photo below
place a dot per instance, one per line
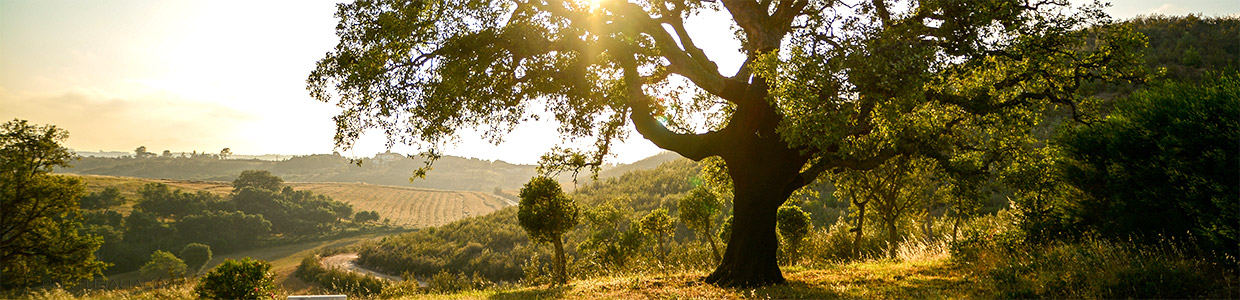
(42, 241)
(545, 212)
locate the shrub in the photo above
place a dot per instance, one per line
(337, 280)
(1163, 165)
(196, 256)
(163, 265)
(447, 282)
(243, 279)
(835, 243)
(793, 224)
(365, 217)
(1094, 268)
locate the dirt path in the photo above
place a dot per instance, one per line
(347, 261)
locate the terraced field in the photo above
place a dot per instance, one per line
(409, 206)
(402, 205)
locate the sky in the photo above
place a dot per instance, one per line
(205, 75)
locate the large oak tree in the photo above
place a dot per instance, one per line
(825, 85)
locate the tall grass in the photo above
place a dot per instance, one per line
(1088, 268)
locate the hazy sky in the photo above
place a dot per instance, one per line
(204, 75)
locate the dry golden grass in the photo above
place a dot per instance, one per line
(928, 278)
(404, 206)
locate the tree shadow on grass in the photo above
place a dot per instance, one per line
(533, 293)
(793, 289)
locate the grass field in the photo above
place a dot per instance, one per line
(404, 206)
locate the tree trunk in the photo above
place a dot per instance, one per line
(860, 229)
(713, 247)
(763, 173)
(891, 238)
(560, 275)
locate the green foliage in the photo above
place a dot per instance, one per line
(290, 211)
(612, 240)
(453, 173)
(545, 212)
(161, 201)
(258, 179)
(659, 226)
(43, 240)
(697, 211)
(794, 225)
(108, 197)
(243, 279)
(226, 230)
(1094, 269)
(612, 234)
(725, 229)
(1190, 47)
(1163, 165)
(337, 280)
(196, 256)
(163, 265)
(447, 282)
(366, 216)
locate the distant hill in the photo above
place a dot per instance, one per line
(402, 205)
(449, 173)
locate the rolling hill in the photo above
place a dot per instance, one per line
(406, 206)
(448, 173)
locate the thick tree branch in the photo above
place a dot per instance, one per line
(692, 146)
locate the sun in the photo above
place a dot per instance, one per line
(593, 5)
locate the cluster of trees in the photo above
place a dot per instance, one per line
(142, 153)
(260, 207)
(641, 220)
(453, 173)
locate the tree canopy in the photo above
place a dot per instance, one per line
(825, 85)
(40, 237)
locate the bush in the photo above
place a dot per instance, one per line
(446, 282)
(196, 256)
(1163, 165)
(243, 279)
(163, 265)
(1094, 268)
(835, 244)
(365, 217)
(794, 225)
(337, 280)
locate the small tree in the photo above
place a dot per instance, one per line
(659, 225)
(108, 197)
(226, 153)
(141, 152)
(163, 265)
(698, 211)
(259, 179)
(546, 214)
(366, 216)
(243, 279)
(793, 225)
(196, 256)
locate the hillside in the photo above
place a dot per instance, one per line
(402, 205)
(448, 173)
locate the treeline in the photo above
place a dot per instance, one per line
(259, 209)
(450, 172)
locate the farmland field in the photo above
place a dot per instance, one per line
(404, 206)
